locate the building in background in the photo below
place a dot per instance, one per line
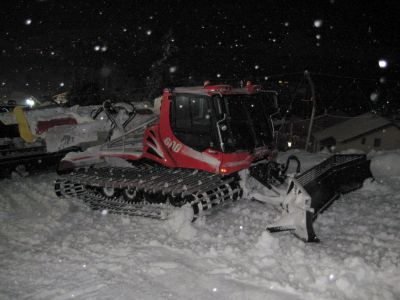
(292, 133)
(365, 132)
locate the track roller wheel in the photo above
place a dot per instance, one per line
(179, 201)
(131, 195)
(110, 192)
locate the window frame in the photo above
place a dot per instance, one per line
(377, 142)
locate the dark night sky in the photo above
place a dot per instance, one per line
(43, 41)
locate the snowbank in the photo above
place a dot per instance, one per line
(385, 164)
(180, 223)
(53, 248)
(352, 151)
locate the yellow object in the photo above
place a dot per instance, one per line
(23, 125)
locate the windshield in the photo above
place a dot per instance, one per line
(247, 118)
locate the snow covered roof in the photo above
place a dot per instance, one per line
(353, 127)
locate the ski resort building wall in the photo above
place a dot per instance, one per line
(365, 132)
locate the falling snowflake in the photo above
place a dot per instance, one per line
(318, 23)
(28, 21)
(172, 69)
(96, 48)
(374, 96)
(382, 63)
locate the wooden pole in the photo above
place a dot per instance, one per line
(311, 83)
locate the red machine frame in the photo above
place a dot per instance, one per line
(161, 145)
(177, 154)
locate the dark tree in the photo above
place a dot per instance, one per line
(160, 71)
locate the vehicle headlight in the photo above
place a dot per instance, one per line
(30, 102)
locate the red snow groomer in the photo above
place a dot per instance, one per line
(190, 153)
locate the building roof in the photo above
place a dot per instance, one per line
(353, 127)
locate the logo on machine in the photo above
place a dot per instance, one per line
(174, 146)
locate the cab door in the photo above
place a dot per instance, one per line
(191, 121)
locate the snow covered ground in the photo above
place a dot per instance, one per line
(53, 248)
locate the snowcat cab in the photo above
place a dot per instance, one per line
(190, 153)
(226, 120)
(214, 128)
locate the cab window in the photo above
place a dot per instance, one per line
(191, 121)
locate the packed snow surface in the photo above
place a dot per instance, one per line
(53, 248)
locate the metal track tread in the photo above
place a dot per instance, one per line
(170, 188)
(97, 201)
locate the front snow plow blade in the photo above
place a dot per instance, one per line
(311, 192)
